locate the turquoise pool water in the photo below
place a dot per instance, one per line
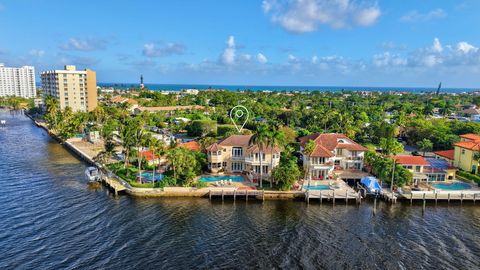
(319, 187)
(209, 178)
(452, 186)
(148, 177)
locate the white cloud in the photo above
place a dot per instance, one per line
(300, 16)
(262, 59)
(415, 16)
(388, 59)
(89, 44)
(292, 58)
(37, 53)
(314, 59)
(465, 47)
(155, 50)
(437, 46)
(229, 54)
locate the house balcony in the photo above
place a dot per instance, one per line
(353, 159)
(215, 158)
(256, 161)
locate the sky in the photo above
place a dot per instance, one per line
(406, 43)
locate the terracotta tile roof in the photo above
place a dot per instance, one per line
(446, 154)
(148, 155)
(471, 145)
(255, 148)
(470, 136)
(411, 160)
(321, 151)
(330, 141)
(351, 146)
(236, 140)
(193, 145)
(214, 148)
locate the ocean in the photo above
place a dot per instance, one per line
(178, 87)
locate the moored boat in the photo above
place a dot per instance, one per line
(92, 174)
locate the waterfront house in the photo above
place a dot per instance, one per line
(333, 151)
(467, 153)
(191, 145)
(235, 154)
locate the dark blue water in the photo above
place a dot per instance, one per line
(50, 219)
(178, 87)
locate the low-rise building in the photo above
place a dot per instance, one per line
(333, 151)
(236, 154)
(415, 164)
(467, 153)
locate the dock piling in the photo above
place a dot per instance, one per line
(436, 196)
(223, 191)
(321, 199)
(334, 197)
(474, 194)
(234, 195)
(210, 194)
(461, 198)
(449, 198)
(411, 198)
(246, 195)
(346, 197)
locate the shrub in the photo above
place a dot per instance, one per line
(469, 176)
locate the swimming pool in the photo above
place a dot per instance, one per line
(209, 178)
(319, 187)
(452, 186)
(148, 177)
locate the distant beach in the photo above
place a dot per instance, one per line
(178, 87)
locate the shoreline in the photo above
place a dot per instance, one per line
(118, 185)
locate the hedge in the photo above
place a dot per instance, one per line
(469, 176)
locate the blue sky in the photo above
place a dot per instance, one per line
(271, 42)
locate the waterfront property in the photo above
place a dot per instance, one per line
(415, 164)
(235, 154)
(332, 151)
(73, 88)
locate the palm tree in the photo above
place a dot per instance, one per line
(425, 145)
(140, 138)
(53, 108)
(157, 148)
(127, 132)
(275, 138)
(307, 151)
(260, 138)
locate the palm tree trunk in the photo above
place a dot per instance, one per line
(271, 169)
(261, 169)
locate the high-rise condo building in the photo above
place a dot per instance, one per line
(73, 88)
(18, 82)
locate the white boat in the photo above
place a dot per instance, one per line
(92, 174)
(3, 123)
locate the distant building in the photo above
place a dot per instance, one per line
(18, 82)
(73, 88)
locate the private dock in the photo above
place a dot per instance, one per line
(235, 193)
(462, 196)
(332, 195)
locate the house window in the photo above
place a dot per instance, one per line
(463, 151)
(417, 168)
(339, 152)
(224, 164)
(237, 151)
(237, 166)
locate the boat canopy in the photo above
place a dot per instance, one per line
(371, 184)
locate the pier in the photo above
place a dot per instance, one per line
(332, 196)
(235, 193)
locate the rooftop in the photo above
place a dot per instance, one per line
(446, 153)
(411, 160)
